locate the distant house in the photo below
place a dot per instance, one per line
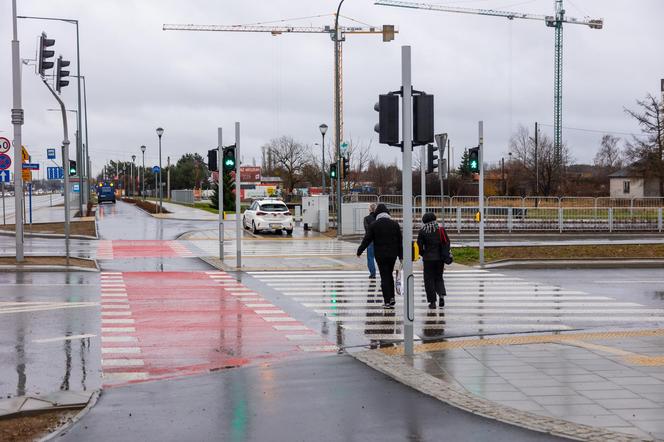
(631, 182)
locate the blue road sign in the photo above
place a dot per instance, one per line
(76, 188)
(5, 175)
(54, 173)
(155, 169)
(50, 154)
(30, 166)
(5, 161)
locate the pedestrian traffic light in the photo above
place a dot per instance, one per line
(474, 159)
(388, 119)
(345, 167)
(422, 119)
(432, 158)
(43, 63)
(229, 158)
(333, 171)
(72, 168)
(212, 160)
(60, 74)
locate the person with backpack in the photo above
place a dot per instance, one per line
(368, 220)
(385, 234)
(434, 245)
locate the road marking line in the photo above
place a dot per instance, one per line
(116, 321)
(311, 348)
(114, 306)
(120, 350)
(125, 377)
(114, 313)
(259, 305)
(308, 337)
(278, 319)
(63, 338)
(269, 312)
(119, 339)
(122, 363)
(118, 330)
(290, 327)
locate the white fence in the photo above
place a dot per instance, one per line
(182, 196)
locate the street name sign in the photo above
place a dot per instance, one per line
(30, 166)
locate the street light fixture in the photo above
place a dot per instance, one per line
(323, 129)
(160, 132)
(143, 173)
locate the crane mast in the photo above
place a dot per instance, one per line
(556, 21)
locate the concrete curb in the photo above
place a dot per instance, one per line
(50, 268)
(600, 263)
(399, 370)
(47, 235)
(63, 429)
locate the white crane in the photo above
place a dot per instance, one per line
(554, 21)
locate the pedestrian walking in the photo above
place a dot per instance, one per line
(385, 234)
(434, 245)
(368, 220)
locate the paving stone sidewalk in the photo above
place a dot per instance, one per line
(589, 386)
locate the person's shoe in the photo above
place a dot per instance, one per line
(441, 302)
(432, 305)
(372, 276)
(388, 306)
(392, 302)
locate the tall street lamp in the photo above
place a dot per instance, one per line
(337, 110)
(323, 129)
(143, 173)
(133, 182)
(160, 132)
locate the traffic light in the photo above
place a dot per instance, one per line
(333, 171)
(60, 74)
(432, 158)
(229, 158)
(345, 167)
(43, 63)
(422, 119)
(212, 160)
(474, 159)
(388, 119)
(72, 168)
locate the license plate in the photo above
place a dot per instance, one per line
(275, 226)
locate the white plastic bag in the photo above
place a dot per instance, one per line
(398, 279)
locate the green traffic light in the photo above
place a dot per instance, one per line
(473, 165)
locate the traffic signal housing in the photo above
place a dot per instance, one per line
(212, 160)
(45, 54)
(61, 73)
(422, 119)
(432, 158)
(333, 171)
(388, 119)
(229, 158)
(474, 159)
(72, 167)
(345, 167)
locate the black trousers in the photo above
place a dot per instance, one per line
(386, 267)
(433, 280)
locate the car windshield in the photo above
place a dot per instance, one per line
(274, 207)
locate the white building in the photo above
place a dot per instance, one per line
(630, 182)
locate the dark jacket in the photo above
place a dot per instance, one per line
(385, 234)
(368, 220)
(432, 247)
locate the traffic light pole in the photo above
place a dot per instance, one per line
(238, 211)
(220, 185)
(407, 192)
(423, 177)
(481, 190)
(17, 121)
(65, 167)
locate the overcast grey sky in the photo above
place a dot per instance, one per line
(140, 77)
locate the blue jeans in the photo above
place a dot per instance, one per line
(371, 264)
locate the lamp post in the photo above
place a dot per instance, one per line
(323, 129)
(160, 132)
(337, 110)
(133, 182)
(143, 173)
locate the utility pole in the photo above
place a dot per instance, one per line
(168, 178)
(481, 186)
(423, 176)
(407, 192)
(220, 185)
(238, 212)
(338, 106)
(536, 160)
(17, 122)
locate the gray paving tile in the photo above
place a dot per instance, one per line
(568, 370)
(500, 396)
(632, 404)
(633, 431)
(479, 380)
(578, 378)
(576, 410)
(624, 373)
(638, 380)
(548, 391)
(655, 397)
(641, 414)
(645, 388)
(561, 400)
(651, 426)
(536, 382)
(524, 405)
(586, 386)
(602, 420)
(611, 394)
(496, 387)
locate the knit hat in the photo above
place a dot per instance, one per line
(428, 217)
(381, 208)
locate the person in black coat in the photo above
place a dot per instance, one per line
(385, 234)
(433, 243)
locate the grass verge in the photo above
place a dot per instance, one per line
(470, 255)
(33, 427)
(86, 227)
(48, 261)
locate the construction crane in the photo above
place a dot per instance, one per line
(553, 21)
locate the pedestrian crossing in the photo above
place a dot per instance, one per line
(477, 302)
(277, 248)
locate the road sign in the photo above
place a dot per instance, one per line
(5, 145)
(5, 176)
(54, 173)
(5, 161)
(50, 154)
(27, 175)
(155, 169)
(76, 188)
(31, 166)
(344, 146)
(25, 155)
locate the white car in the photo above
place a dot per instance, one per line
(268, 214)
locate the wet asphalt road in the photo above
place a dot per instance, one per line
(331, 398)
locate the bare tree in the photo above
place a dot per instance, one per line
(648, 150)
(289, 157)
(609, 155)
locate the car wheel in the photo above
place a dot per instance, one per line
(289, 232)
(253, 227)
